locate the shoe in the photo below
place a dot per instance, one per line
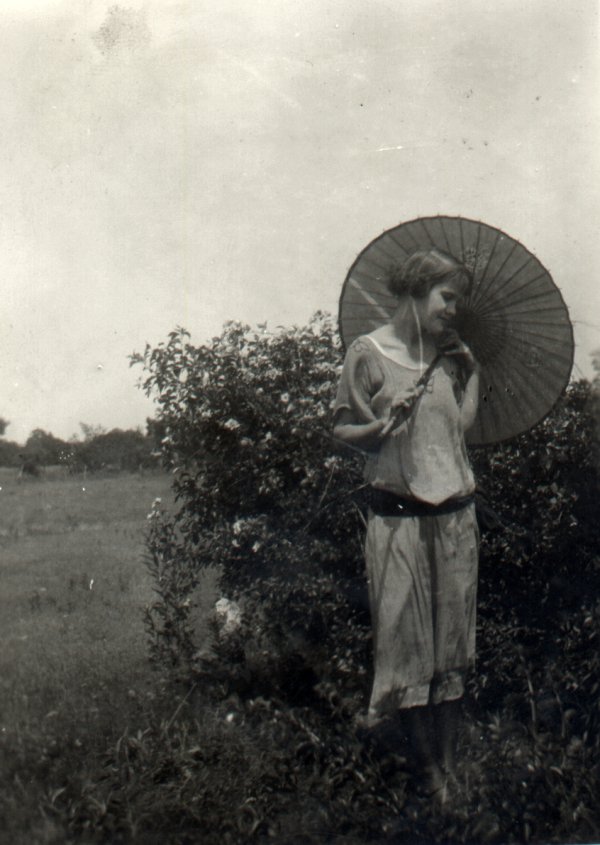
(432, 783)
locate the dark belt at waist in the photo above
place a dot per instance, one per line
(384, 503)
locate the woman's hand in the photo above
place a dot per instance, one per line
(364, 436)
(451, 344)
(401, 407)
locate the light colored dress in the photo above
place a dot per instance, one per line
(422, 570)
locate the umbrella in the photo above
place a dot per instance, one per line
(515, 320)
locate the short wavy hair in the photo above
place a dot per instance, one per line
(424, 269)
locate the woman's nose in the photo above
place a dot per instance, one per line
(451, 309)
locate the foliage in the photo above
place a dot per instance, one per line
(91, 754)
(172, 782)
(43, 448)
(91, 431)
(155, 431)
(265, 496)
(116, 449)
(540, 545)
(306, 775)
(10, 453)
(262, 493)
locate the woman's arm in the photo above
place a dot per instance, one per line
(365, 436)
(468, 408)
(369, 435)
(454, 347)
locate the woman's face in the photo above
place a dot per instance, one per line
(437, 310)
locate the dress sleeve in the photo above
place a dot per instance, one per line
(361, 378)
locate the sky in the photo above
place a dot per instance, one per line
(168, 163)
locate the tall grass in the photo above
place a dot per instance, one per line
(95, 748)
(73, 663)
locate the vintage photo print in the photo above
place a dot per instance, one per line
(299, 422)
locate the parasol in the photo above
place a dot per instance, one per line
(515, 320)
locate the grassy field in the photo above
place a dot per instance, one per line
(73, 664)
(97, 747)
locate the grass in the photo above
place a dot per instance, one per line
(97, 747)
(73, 665)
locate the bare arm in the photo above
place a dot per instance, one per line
(369, 435)
(454, 347)
(468, 408)
(365, 436)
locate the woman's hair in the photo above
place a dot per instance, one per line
(423, 269)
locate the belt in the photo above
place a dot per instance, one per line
(384, 503)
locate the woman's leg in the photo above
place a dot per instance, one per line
(455, 538)
(421, 732)
(446, 717)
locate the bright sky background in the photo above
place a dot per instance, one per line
(184, 163)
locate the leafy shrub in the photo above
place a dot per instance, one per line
(540, 550)
(262, 492)
(266, 496)
(274, 699)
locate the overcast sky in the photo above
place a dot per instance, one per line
(183, 163)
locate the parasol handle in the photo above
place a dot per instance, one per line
(427, 374)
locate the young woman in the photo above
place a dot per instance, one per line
(408, 392)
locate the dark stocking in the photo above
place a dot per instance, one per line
(446, 718)
(421, 732)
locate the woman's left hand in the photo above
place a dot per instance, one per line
(451, 344)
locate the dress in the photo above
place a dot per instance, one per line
(422, 570)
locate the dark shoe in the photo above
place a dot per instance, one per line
(431, 782)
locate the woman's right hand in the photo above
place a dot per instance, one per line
(401, 407)
(366, 436)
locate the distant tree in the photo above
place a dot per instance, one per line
(9, 453)
(30, 467)
(43, 448)
(156, 431)
(118, 450)
(91, 431)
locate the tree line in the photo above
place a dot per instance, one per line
(95, 449)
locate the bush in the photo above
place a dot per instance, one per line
(262, 492)
(539, 551)
(265, 494)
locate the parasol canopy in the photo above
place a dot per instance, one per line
(514, 320)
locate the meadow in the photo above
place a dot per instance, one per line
(98, 746)
(74, 669)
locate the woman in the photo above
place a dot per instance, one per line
(408, 392)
